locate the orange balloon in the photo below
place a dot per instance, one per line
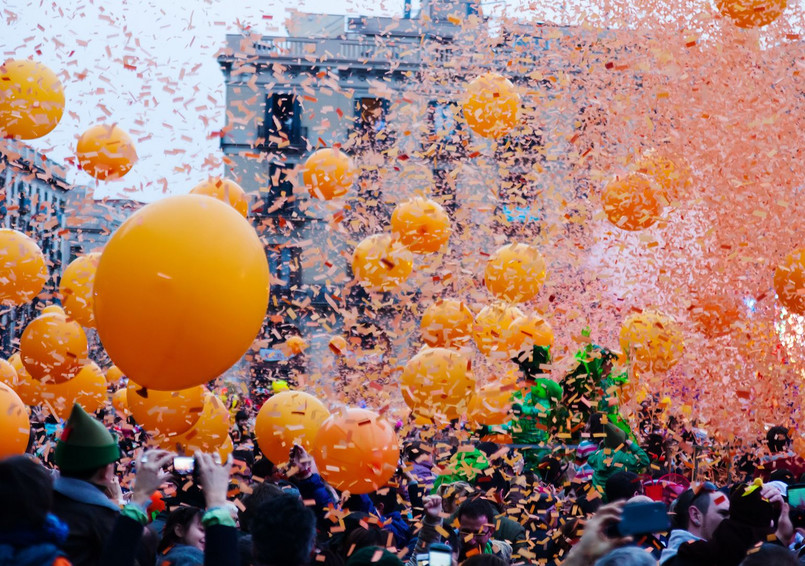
(789, 281)
(113, 374)
(447, 323)
(106, 152)
(28, 388)
(356, 451)
(31, 99)
(296, 345)
(328, 173)
(288, 418)
(226, 191)
(338, 345)
(381, 263)
(491, 326)
(170, 279)
(53, 309)
(491, 404)
(671, 172)
(526, 332)
(207, 435)
(632, 202)
(22, 268)
(88, 389)
(120, 401)
(13, 422)
(751, 13)
(652, 340)
(76, 289)
(226, 449)
(714, 316)
(491, 105)
(515, 272)
(53, 348)
(420, 224)
(165, 413)
(437, 382)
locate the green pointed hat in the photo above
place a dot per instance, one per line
(85, 444)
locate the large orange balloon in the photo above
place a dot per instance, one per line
(751, 13)
(113, 374)
(226, 191)
(632, 202)
(671, 172)
(437, 382)
(106, 152)
(448, 323)
(120, 401)
(526, 332)
(328, 173)
(714, 316)
(381, 263)
(8, 374)
(288, 418)
(28, 388)
(31, 99)
(356, 451)
(515, 272)
(789, 281)
(491, 325)
(22, 268)
(53, 348)
(88, 389)
(207, 435)
(181, 291)
(13, 422)
(491, 106)
(76, 289)
(420, 224)
(165, 413)
(652, 340)
(490, 405)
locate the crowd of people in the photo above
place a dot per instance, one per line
(90, 492)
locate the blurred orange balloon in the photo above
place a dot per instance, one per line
(356, 451)
(652, 340)
(53, 309)
(437, 383)
(525, 332)
(226, 191)
(226, 449)
(31, 99)
(490, 404)
(165, 413)
(381, 263)
(296, 345)
(338, 345)
(22, 268)
(120, 401)
(491, 326)
(13, 422)
(632, 202)
(328, 173)
(491, 105)
(751, 13)
(789, 281)
(671, 172)
(207, 435)
(28, 388)
(515, 272)
(421, 225)
(113, 374)
(53, 348)
(76, 289)
(106, 152)
(88, 389)
(172, 276)
(447, 323)
(288, 418)
(8, 374)
(714, 316)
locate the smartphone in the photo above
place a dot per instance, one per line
(643, 519)
(440, 555)
(422, 560)
(184, 465)
(796, 495)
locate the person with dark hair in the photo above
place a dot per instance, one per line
(182, 541)
(622, 486)
(697, 513)
(283, 533)
(780, 457)
(770, 555)
(627, 556)
(484, 560)
(29, 533)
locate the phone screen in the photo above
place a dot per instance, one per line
(644, 518)
(440, 558)
(796, 496)
(422, 560)
(184, 465)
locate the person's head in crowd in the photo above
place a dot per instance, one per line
(86, 450)
(26, 490)
(700, 510)
(783, 475)
(385, 500)
(476, 525)
(541, 508)
(770, 555)
(622, 486)
(778, 439)
(453, 494)
(627, 556)
(490, 449)
(283, 532)
(261, 493)
(553, 470)
(183, 527)
(484, 560)
(373, 556)
(595, 427)
(417, 452)
(363, 537)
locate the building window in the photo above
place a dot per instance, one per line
(371, 123)
(278, 198)
(285, 265)
(282, 124)
(447, 136)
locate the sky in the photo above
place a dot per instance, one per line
(150, 67)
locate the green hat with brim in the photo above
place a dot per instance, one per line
(85, 444)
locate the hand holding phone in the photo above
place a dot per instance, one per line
(641, 519)
(184, 465)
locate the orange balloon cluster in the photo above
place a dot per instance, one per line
(76, 289)
(492, 326)
(328, 173)
(87, 388)
(22, 268)
(208, 434)
(29, 389)
(13, 422)
(421, 224)
(106, 152)
(288, 418)
(515, 272)
(53, 348)
(632, 202)
(356, 450)
(526, 332)
(447, 323)
(165, 413)
(381, 263)
(491, 106)
(226, 191)
(491, 404)
(31, 99)
(437, 382)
